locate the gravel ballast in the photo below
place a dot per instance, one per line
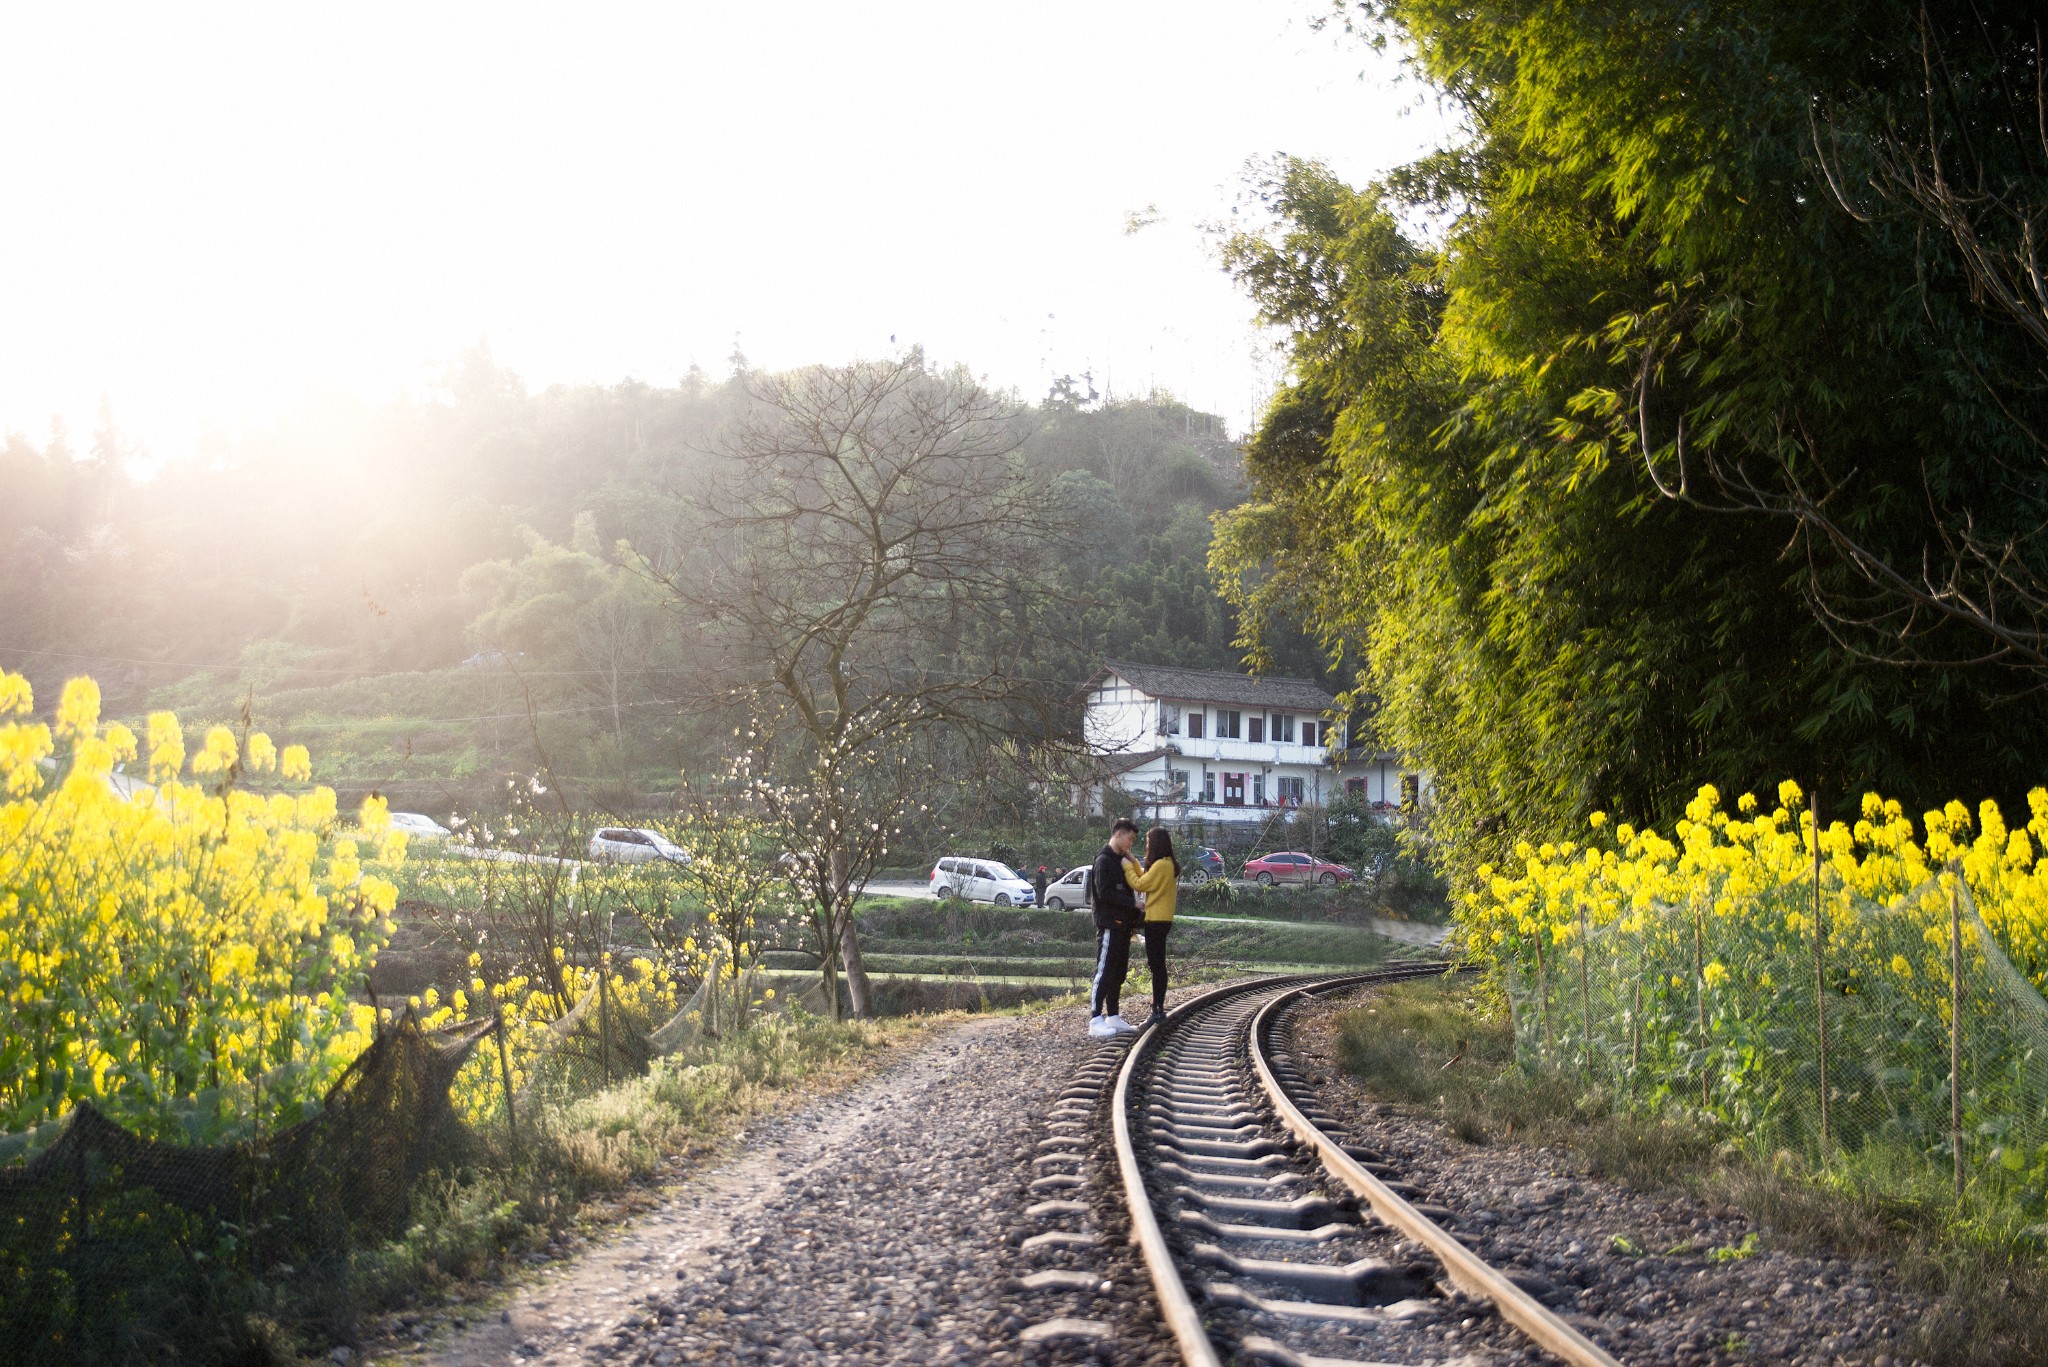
(1653, 1277)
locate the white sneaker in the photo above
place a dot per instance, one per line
(1100, 1028)
(1119, 1026)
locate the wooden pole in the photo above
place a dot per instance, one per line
(1820, 973)
(1955, 1022)
(1699, 990)
(604, 1015)
(1543, 995)
(1585, 993)
(505, 1076)
(1635, 1034)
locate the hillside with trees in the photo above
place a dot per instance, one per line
(442, 594)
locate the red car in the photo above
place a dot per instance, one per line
(1292, 866)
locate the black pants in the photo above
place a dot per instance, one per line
(1112, 964)
(1155, 958)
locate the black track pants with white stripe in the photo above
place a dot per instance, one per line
(1112, 964)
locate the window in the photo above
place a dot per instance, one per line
(1226, 725)
(1308, 733)
(1411, 791)
(1177, 782)
(1283, 728)
(1355, 786)
(1257, 730)
(1288, 789)
(1169, 720)
(1208, 787)
(1195, 727)
(1258, 783)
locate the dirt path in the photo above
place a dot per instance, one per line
(885, 1224)
(574, 1307)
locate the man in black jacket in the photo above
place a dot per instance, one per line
(1116, 915)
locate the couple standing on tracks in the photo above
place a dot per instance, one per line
(1125, 897)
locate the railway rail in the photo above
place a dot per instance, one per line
(1268, 1238)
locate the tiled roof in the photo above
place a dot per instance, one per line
(1217, 686)
(1124, 763)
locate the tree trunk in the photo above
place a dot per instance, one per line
(828, 980)
(856, 975)
(849, 942)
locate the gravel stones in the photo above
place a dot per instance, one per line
(886, 1225)
(1653, 1277)
(908, 1244)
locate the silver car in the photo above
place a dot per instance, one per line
(635, 845)
(419, 827)
(1070, 889)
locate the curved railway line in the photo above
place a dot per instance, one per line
(1269, 1238)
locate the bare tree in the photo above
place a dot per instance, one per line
(871, 561)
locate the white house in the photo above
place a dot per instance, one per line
(1209, 745)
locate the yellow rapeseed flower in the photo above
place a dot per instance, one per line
(78, 709)
(16, 697)
(166, 745)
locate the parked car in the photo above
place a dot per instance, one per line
(1292, 866)
(419, 827)
(635, 845)
(1205, 864)
(981, 880)
(1070, 889)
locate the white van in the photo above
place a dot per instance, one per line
(981, 880)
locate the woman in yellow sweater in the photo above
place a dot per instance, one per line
(1157, 882)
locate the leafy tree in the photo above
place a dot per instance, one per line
(1452, 490)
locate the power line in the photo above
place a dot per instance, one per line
(356, 673)
(341, 723)
(461, 670)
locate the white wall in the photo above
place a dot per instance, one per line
(1120, 719)
(1123, 720)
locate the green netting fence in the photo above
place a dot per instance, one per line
(120, 1248)
(1808, 1019)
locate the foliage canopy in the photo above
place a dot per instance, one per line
(1636, 245)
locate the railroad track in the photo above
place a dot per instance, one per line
(1269, 1238)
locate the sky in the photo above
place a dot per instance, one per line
(218, 213)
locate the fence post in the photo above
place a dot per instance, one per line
(1585, 994)
(1955, 1021)
(1820, 973)
(1635, 1035)
(1543, 997)
(604, 1015)
(505, 1076)
(1699, 989)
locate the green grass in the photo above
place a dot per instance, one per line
(909, 929)
(1446, 1048)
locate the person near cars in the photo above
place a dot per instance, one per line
(1157, 882)
(1038, 886)
(1115, 909)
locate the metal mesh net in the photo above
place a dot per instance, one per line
(119, 1248)
(1811, 1020)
